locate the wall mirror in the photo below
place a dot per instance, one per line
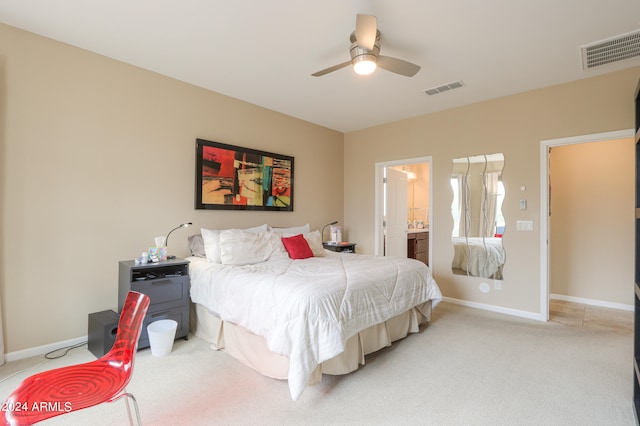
(478, 223)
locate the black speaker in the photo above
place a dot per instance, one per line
(103, 327)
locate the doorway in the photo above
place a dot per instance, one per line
(406, 180)
(545, 219)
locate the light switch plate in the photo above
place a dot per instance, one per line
(524, 225)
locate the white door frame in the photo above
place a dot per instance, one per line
(544, 202)
(379, 198)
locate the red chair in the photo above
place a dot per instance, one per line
(63, 390)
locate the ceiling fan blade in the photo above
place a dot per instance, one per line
(366, 30)
(398, 66)
(331, 69)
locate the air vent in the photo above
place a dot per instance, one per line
(613, 49)
(444, 88)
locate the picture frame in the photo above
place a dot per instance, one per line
(230, 177)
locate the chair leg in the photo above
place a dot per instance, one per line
(126, 396)
(135, 406)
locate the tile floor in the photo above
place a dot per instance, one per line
(589, 316)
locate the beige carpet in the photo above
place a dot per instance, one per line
(468, 367)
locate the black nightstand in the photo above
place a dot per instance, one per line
(167, 285)
(341, 247)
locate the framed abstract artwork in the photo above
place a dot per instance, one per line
(230, 177)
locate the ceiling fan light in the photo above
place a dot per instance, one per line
(364, 66)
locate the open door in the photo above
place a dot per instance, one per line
(396, 207)
(398, 200)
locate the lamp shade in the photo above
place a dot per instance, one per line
(324, 227)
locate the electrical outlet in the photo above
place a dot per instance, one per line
(497, 285)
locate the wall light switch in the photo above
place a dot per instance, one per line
(524, 225)
(523, 204)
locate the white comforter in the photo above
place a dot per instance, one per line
(307, 309)
(480, 257)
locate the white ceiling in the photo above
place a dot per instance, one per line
(264, 52)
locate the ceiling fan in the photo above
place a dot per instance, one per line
(365, 52)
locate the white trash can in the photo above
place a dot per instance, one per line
(161, 336)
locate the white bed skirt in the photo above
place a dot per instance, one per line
(251, 349)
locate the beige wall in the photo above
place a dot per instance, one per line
(592, 220)
(98, 158)
(513, 125)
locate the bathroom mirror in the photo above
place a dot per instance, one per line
(478, 223)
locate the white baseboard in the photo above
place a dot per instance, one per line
(513, 312)
(602, 303)
(41, 350)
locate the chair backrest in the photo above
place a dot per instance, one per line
(129, 327)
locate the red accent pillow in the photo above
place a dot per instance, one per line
(297, 247)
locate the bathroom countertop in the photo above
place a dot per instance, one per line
(416, 230)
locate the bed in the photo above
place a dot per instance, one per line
(478, 257)
(298, 318)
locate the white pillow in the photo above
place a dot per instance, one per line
(238, 247)
(196, 245)
(211, 239)
(293, 230)
(315, 242)
(278, 248)
(314, 239)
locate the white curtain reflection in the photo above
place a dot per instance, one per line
(488, 219)
(460, 206)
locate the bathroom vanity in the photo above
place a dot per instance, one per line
(418, 244)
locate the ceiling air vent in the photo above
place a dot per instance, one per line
(444, 88)
(613, 49)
